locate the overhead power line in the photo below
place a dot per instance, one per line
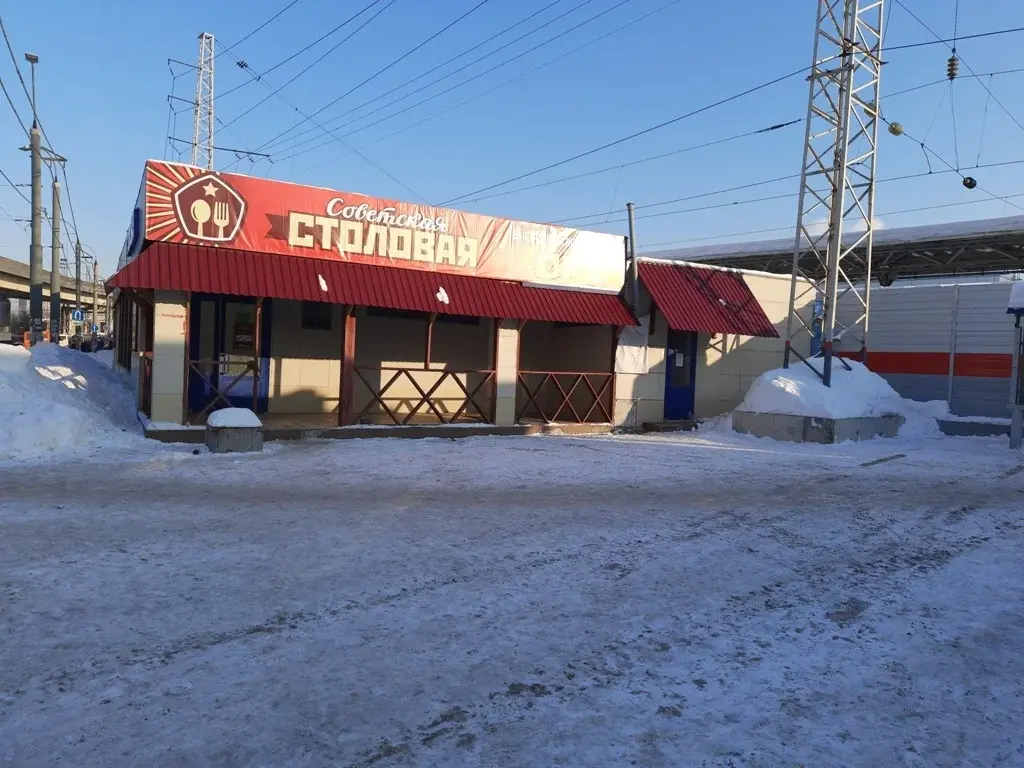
(449, 74)
(491, 90)
(457, 85)
(14, 186)
(14, 109)
(951, 44)
(750, 201)
(263, 26)
(379, 72)
(651, 158)
(295, 55)
(631, 136)
(326, 53)
(687, 115)
(358, 153)
(462, 83)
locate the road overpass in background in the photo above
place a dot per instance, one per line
(957, 248)
(14, 284)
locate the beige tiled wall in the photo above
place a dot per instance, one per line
(305, 365)
(169, 357)
(728, 364)
(640, 373)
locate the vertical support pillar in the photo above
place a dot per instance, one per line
(257, 334)
(170, 356)
(348, 362)
(506, 371)
(430, 340)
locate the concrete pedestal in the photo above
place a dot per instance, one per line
(810, 429)
(234, 439)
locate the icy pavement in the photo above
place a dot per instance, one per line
(676, 601)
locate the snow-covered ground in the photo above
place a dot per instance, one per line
(696, 600)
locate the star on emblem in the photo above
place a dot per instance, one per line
(210, 189)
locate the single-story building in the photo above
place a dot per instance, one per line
(326, 310)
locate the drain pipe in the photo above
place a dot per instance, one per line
(633, 271)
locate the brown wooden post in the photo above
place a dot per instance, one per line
(257, 332)
(346, 389)
(430, 339)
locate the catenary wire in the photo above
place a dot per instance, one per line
(651, 158)
(951, 44)
(446, 63)
(264, 25)
(457, 85)
(750, 201)
(437, 80)
(297, 53)
(380, 71)
(705, 108)
(491, 90)
(357, 152)
(14, 109)
(326, 53)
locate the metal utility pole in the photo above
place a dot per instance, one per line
(55, 263)
(35, 254)
(202, 125)
(95, 295)
(78, 275)
(837, 180)
(633, 268)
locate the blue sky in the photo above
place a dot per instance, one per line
(103, 81)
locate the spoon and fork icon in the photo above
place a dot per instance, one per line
(201, 214)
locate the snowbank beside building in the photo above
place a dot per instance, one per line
(59, 400)
(855, 393)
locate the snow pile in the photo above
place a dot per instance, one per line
(1016, 297)
(233, 417)
(54, 399)
(855, 393)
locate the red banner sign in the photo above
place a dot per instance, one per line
(184, 204)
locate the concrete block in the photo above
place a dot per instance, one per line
(234, 439)
(809, 429)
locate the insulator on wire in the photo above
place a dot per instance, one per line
(952, 67)
(969, 182)
(896, 129)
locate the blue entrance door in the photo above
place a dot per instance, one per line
(222, 334)
(680, 375)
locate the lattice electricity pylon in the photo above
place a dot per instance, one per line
(202, 126)
(837, 180)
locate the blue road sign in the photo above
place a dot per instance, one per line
(77, 315)
(95, 328)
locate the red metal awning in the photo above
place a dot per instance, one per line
(705, 300)
(204, 269)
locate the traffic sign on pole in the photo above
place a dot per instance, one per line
(95, 328)
(77, 316)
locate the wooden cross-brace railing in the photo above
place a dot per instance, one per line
(218, 393)
(550, 379)
(377, 396)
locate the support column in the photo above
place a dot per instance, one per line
(348, 362)
(170, 356)
(506, 367)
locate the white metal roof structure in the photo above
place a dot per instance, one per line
(984, 246)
